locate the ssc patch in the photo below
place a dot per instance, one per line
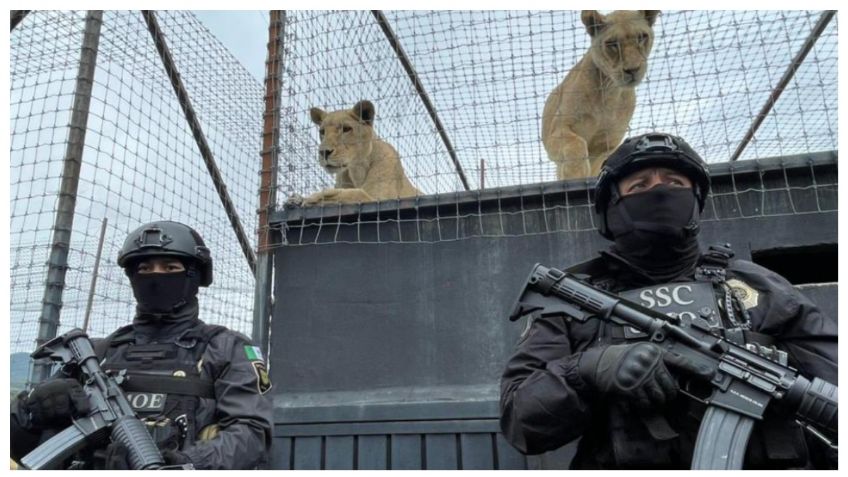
(744, 293)
(253, 353)
(686, 300)
(263, 380)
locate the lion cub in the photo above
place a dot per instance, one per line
(587, 115)
(366, 168)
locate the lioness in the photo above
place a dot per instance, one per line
(366, 168)
(587, 115)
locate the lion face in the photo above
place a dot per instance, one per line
(621, 42)
(346, 135)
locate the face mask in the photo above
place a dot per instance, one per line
(163, 293)
(656, 229)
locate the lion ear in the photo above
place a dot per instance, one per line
(364, 111)
(317, 115)
(593, 20)
(651, 16)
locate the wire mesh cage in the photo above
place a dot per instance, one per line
(459, 95)
(140, 162)
(711, 76)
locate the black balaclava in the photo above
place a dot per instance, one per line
(656, 230)
(166, 295)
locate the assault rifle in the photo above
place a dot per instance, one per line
(747, 379)
(111, 414)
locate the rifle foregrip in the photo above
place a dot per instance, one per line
(819, 407)
(143, 452)
(722, 440)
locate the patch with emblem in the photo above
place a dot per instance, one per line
(744, 293)
(253, 353)
(526, 332)
(263, 380)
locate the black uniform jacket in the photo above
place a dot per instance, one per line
(545, 404)
(241, 407)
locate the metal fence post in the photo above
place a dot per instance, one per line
(15, 17)
(814, 35)
(94, 274)
(422, 93)
(57, 265)
(268, 180)
(197, 131)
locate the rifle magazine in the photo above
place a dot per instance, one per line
(722, 440)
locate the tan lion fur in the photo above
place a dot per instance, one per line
(366, 168)
(587, 115)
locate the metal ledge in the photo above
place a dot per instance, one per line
(578, 189)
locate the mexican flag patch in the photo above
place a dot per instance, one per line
(253, 353)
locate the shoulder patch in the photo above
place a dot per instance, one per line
(263, 380)
(526, 332)
(253, 353)
(744, 293)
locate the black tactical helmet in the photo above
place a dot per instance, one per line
(167, 238)
(649, 150)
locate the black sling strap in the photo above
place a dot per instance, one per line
(140, 382)
(189, 386)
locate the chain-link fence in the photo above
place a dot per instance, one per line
(483, 76)
(735, 84)
(140, 162)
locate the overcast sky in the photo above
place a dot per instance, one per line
(244, 32)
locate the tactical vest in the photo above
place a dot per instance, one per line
(650, 441)
(162, 380)
(707, 299)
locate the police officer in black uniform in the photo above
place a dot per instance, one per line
(201, 389)
(618, 393)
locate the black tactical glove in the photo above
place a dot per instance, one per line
(175, 458)
(118, 458)
(636, 372)
(53, 403)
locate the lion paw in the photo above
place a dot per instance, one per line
(296, 200)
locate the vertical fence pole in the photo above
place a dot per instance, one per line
(796, 63)
(57, 264)
(94, 275)
(268, 180)
(422, 93)
(199, 138)
(15, 17)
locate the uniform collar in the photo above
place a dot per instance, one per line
(152, 326)
(628, 274)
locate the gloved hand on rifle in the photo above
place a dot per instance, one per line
(638, 372)
(54, 402)
(118, 457)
